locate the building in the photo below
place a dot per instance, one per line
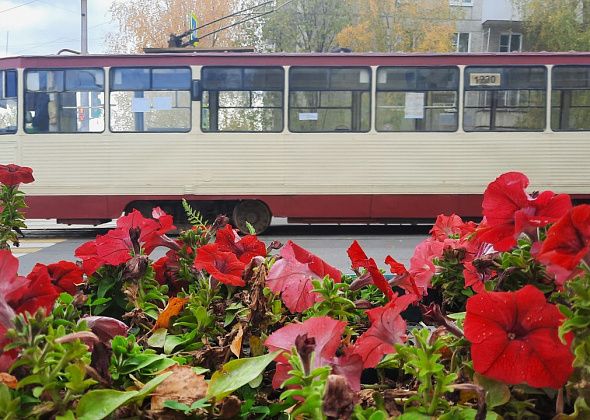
(488, 26)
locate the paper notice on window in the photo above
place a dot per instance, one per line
(308, 116)
(140, 105)
(162, 103)
(414, 108)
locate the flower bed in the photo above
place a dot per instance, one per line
(490, 320)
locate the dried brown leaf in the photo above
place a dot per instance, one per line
(174, 307)
(184, 386)
(236, 344)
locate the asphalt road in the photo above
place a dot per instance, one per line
(47, 242)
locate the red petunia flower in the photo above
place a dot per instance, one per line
(327, 333)
(292, 275)
(422, 265)
(89, 255)
(568, 240)
(387, 328)
(514, 338)
(65, 276)
(245, 248)
(222, 266)
(451, 226)
(13, 175)
(35, 292)
(510, 211)
(134, 234)
(374, 276)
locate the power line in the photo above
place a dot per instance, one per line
(20, 5)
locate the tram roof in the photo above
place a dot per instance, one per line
(297, 59)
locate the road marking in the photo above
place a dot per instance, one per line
(30, 246)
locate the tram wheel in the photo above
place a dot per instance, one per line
(254, 212)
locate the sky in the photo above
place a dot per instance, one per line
(39, 27)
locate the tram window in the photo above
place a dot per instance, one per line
(329, 99)
(150, 99)
(505, 98)
(417, 99)
(242, 99)
(570, 98)
(64, 101)
(8, 101)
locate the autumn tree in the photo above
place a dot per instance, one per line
(556, 25)
(400, 25)
(306, 26)
(149, 24)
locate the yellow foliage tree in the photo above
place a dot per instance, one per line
(149, 24)
(401, 25)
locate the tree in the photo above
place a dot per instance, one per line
(149, 24)
(556, 25)
(306, 26)
(400, 25)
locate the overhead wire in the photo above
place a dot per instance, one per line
(20, 5)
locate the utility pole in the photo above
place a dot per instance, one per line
(84, 34)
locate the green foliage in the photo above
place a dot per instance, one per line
(309, 26)
(130, 360)
(10, 403)
(422, 361)
(577, 294)
(194, 217)
(98, 404)
(556, 25)
(334, 301)
(12, 219)
(449, 280)
(308, 388)
(55, 366)
(188, 410)
(237, 373)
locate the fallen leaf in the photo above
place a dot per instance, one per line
(236, 344)
(184, 386)
(8, 380)
(174, 307)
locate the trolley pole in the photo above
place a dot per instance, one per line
(84, 29)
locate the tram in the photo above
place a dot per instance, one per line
(340, 137)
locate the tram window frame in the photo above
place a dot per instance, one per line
(419, 85)
(212, 90)
(55, 95)
(510, 87)
(328, 90)
(9, 98)
(138, 84)
(562, 93)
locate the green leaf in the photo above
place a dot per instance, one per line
(158, 338)
(497, 393)
(251, 229)
(178, 406)
(237, 373)
(98, 404)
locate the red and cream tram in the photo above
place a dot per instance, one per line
(311, 137)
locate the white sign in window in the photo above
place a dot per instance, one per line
(414, 108)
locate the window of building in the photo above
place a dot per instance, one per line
(510, 42)
(64, 101)
(570, 98)
(8, 101)
(505, 98)
(150, 99)
(462, 42)
(417, 99)
(329, 99)
(242, 99)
